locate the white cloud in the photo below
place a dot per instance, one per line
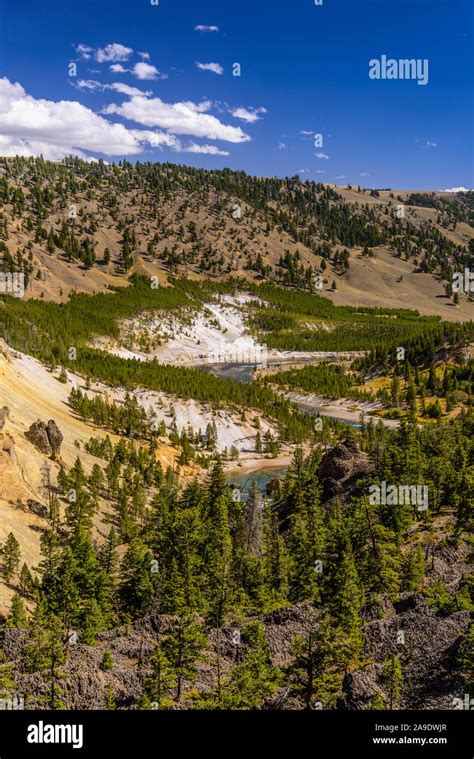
(364, 174)
(341, 176)
(84, 51)
(216, 68)
(125, 89)
(204, 28)
(157, 139)
(322, 156)
(457, 189)
(306, 132)
(178, 118)
(113, 52)
(250, 115)
(204, 149)
(32, 126)
(320, 171)
(144, 56)
(117, 68)
(12, 146)
(145, 71)
(281, 146)
(426, 143)
(89, 84)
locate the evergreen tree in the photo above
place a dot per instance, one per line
(313, 670)
(7, 683)
(255, 678)
(107, 662)
(136, 588)
(45, 652)
(160, 683)
(393, 679)
(18, 616)
(27, 582)
(10, 555)
(414, 569)
(183, 648)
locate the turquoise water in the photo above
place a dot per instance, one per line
(260, 476)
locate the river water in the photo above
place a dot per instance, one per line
(261, 476)
(244, 480)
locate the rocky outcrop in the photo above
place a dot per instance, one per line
(38, 508)
(428, 652)
(4, 414)
(273, 487)
(38, 435)
(341, 468)
(426, 644)
(55, 437)
(339, 473)
(46, 437)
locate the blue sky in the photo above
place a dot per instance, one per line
(304, 70)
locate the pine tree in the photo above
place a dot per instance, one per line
(344, 588)
(7, 683)
(107, 662)
(183, 649)
(160, 683)
(27, 582)
(393, 679)
(96, 482)
(312, 672)
(107, 556)
(10, 554)
(136, 589)
(91, 621)
(306, 537)
(395, 392)
(45, 651)
(255, 678)
(18, 616)
(217, 548)
(110, 703)
(414, 569)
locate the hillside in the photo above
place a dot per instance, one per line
(88, 226)
(172, 341)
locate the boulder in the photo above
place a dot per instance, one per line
(341, 468)
(55, 437)
(38, 435)
(272, 488)
(46, 437)
(38, 508)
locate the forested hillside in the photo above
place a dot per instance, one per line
(138, 569)
(208, 572)
(80, 225)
